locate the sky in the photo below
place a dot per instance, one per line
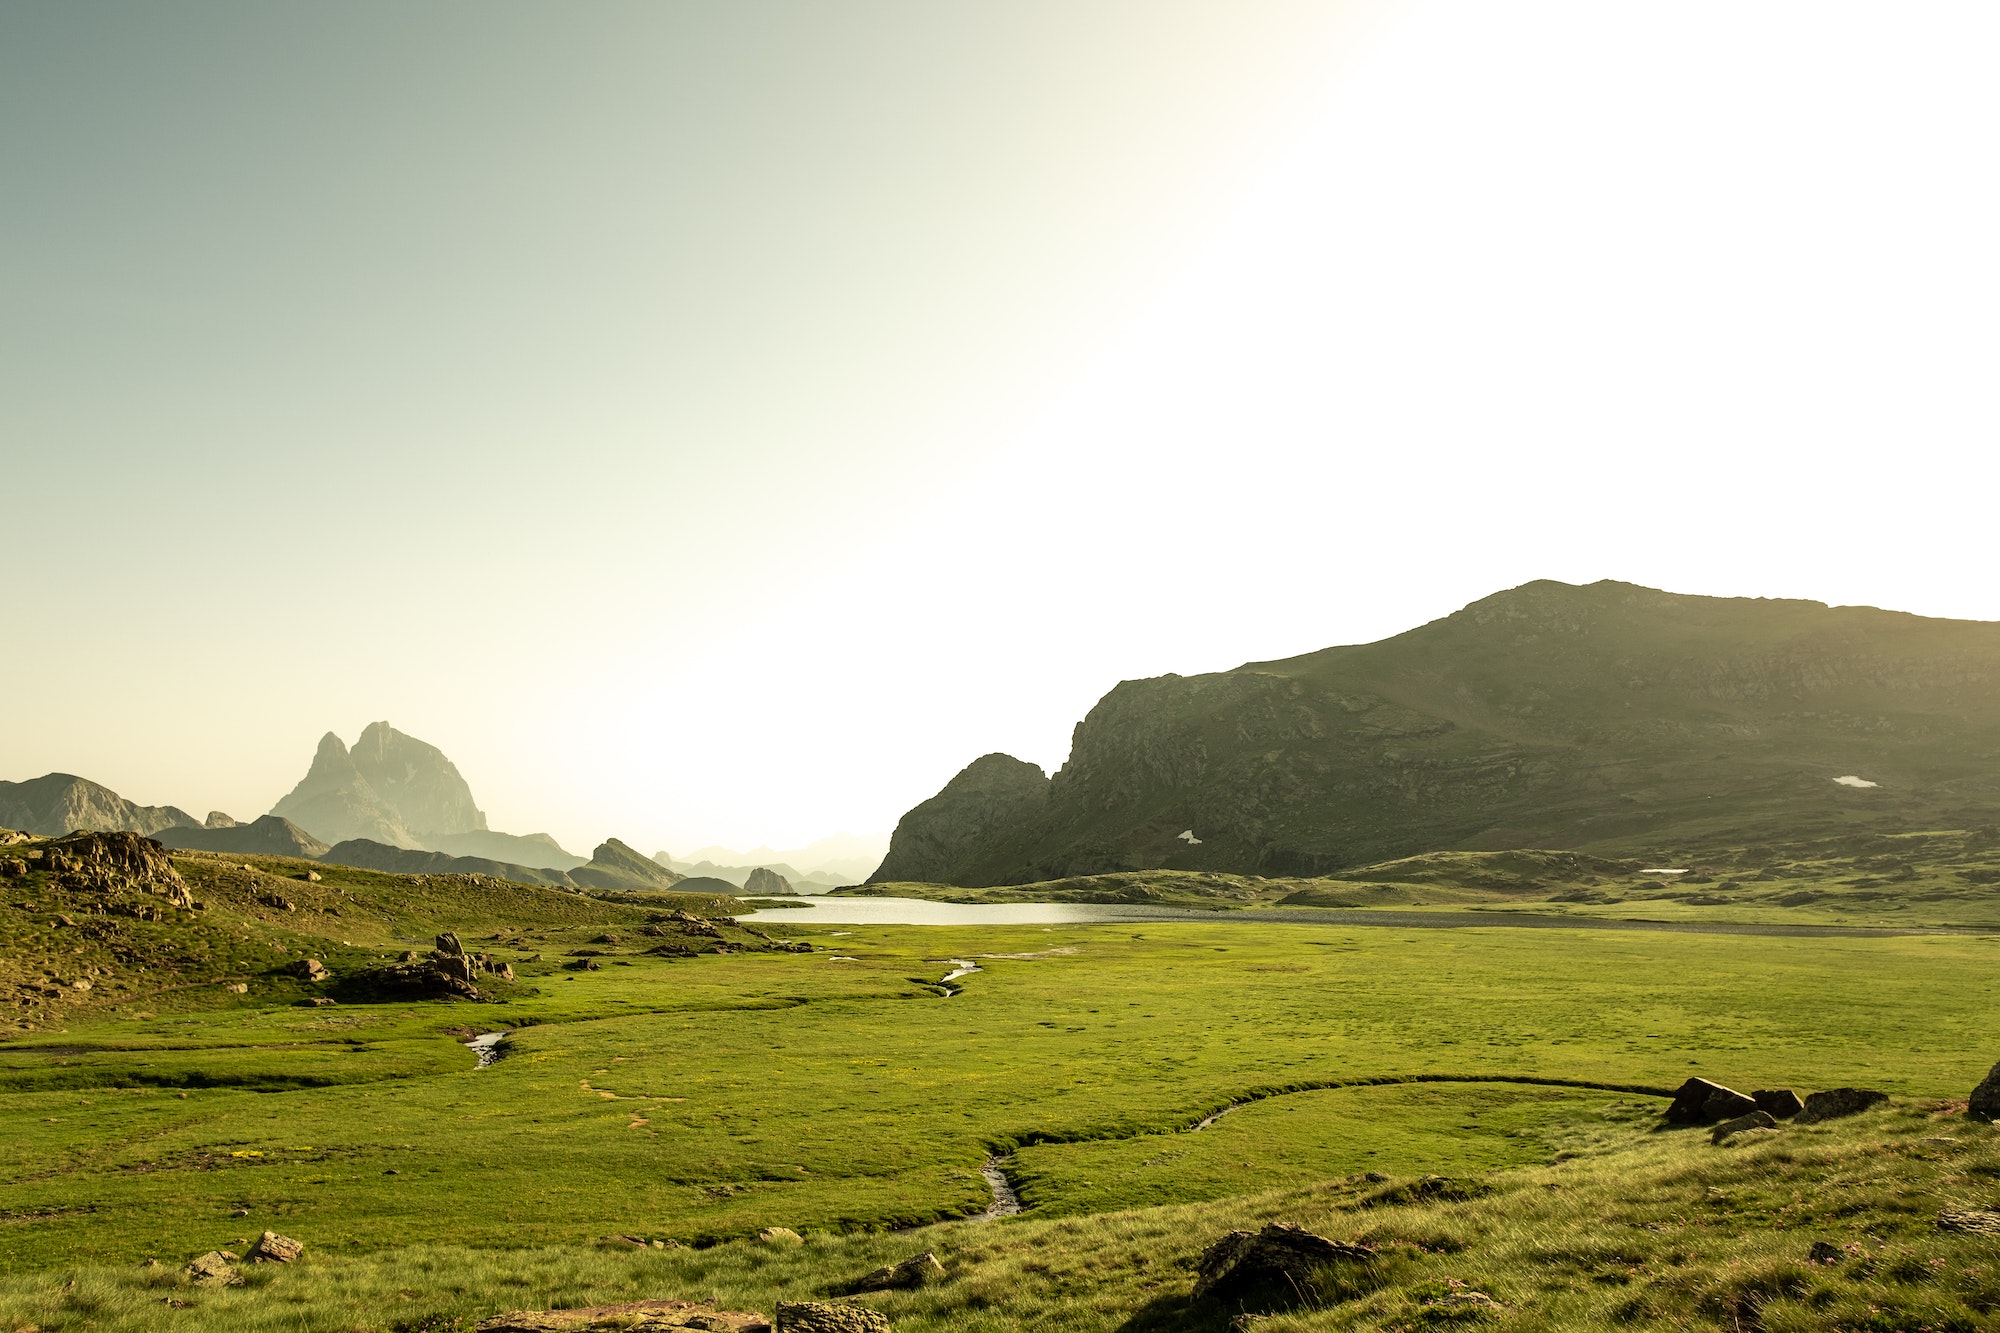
(718, 423)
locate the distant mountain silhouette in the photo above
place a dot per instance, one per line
(402, 792)
(1609, 717)
(365, 854)
(59, 803)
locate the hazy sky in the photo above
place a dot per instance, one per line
(719, 422)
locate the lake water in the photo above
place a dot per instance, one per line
(819, 911)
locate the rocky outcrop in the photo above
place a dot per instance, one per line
(1984, 1103)
(272, 835)
(59, 803)
(1778, 1103)
(1279, 1253)
(271, 1248)
(334, 802)
(113, 863)
(632, 1317)
(815, 1317)
(1545, 716)
(1836, 1103)
(217, 1268)
(218, 819)
(367, 854)
(940, 841)
(765, 882)
(615, 866)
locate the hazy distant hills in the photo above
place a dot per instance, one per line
(56, 803)
(272, 835)
(615, 866)
(1607, 717)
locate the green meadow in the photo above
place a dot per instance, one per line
(1134, 1081)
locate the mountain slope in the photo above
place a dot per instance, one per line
(615, 866)
(364, 854)
(1608, 716)
(334, 802)
(272, 835)
(58, 803)
(934, 841)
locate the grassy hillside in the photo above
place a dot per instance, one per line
(1607, 718)
(1631, 1229)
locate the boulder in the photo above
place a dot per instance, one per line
(238, 988)
(456, 966)
(814, 1317)
(1971, 1222)
(1778, 1103)
(13, 867)
(1985, 1101)
(447, 943)
(1700, 1102)
(1751, 1120)
(307, 969)
(914, 1271)
(1279, 1251)
(217, 1268)
(277, 902)
(311, 877)
(781, 1236)
(1837, 1102)
(1825, 1252)
(634, 1317)
(271, 1248)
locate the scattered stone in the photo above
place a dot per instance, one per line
(815, 1317)
(1837, 1102)
(13, 867)
(409, 956)
(238, 988)
(307, 969)
(624, 1242)
(277, 902)
(1754, 1120)
(914, 1271)
(636, 1317)
(321, 1001)
(217, 1268)
(1974, 1222)
(1700, 1102)
(311, 877)
(1279, 1251)
(1778, 1103)
(1824, 1252)
(1985, 1101)
(447, 943)
(781, 1236)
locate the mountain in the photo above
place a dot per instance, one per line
(739, 875)
(528, 849)
(764, 880)
(933, 842)
(843, 858)
(59, 803)
(273, 835)
(1608, 717)
(365, 854)
(337, 803)
(400, 791)
(615, 866)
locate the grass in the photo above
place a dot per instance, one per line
(840, 1093)
(1653, 1231)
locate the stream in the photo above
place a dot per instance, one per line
(486, 1046)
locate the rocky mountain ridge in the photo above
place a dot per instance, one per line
(1606, 717)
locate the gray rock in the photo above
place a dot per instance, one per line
(914, 1271)
(1779, 1103)
(308, 969)
(1985, 1101)
(271, 1248)
(781, 1236)
(1279, 1251)
(1837, 1102)
(217, 1268)
(1751, 1120)
(447, 943)
(1972, 1222)
(814, 1317)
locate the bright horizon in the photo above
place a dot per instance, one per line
(720, 424)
